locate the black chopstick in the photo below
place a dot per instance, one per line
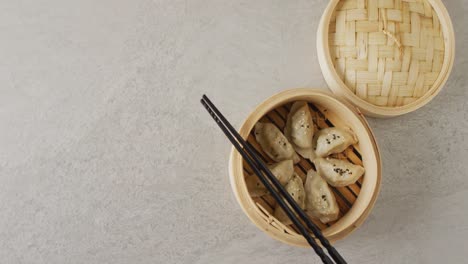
(255, 155)
(249, 153)
(318, 250)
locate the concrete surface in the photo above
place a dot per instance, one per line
(106, 155)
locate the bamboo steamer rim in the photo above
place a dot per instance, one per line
(370, 186)
(337, 85)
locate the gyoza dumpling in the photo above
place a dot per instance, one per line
(295, 188)
(274, 143)
(282, 170)
(255, 186)
(338, 172)
(299, 129)
(320, 200)
(333, 140)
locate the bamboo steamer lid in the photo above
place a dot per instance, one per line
(355, 201)
(387, 57)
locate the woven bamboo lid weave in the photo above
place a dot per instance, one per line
(388, 57)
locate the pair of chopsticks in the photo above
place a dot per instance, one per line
(251, 156)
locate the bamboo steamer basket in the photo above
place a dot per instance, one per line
(355, 201)
(387, 57)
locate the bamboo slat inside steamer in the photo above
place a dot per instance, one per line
(345, 196)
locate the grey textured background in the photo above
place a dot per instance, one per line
(106, 155)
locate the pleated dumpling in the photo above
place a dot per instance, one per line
(333, 140)
(320, 200)
(338, 172)
(299, 129)
(283, 171)
(295, 188)
(274, 143)
(255, 186)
